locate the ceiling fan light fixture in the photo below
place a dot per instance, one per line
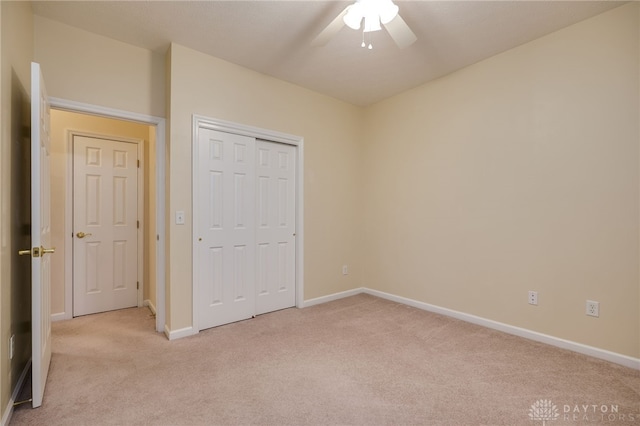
(375, 14)
(373, 11)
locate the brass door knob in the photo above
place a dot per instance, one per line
(37, 251)
(82, 235)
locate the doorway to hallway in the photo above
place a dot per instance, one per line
(96, 159)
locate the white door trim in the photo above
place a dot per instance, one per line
(68, 239)
(201, 122)
(159, 123)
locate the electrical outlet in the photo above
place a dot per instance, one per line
(345, 269)
(12, 341)
(533, 298)
(593, 308)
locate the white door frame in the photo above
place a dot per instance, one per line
(201, 122)
(68, 220)
(159, 123)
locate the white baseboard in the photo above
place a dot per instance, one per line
(150, 305)
(614, 357)
(180, 333)
(332, 297)
(606, 355)
(60, 316)
(6, 418)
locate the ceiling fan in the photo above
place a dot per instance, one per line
(374, 13)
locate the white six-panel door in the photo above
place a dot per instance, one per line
(275, 226)
(245, 227)
(226, 229)
(105, 214)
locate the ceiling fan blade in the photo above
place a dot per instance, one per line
(400, 32)
(330, 30)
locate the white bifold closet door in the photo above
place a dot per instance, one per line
(245, 228)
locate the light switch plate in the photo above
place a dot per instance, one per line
(180, 217)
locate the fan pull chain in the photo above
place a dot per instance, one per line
(363, 43)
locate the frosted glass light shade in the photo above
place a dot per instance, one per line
(354, 16)
(388, 11)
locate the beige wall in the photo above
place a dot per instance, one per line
(85, 67)
(204, 85)
(517, 173)
(62, 122)
(16, 48)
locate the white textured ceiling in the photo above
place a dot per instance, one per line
(274, 37)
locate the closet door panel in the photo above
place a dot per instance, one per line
(226, 230)
(275, 226)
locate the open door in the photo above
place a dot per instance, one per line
(40, 236)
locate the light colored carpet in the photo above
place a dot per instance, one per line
(356, 361)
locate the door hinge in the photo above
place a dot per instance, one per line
(138, 224)
(138, 163)
(137, 285)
